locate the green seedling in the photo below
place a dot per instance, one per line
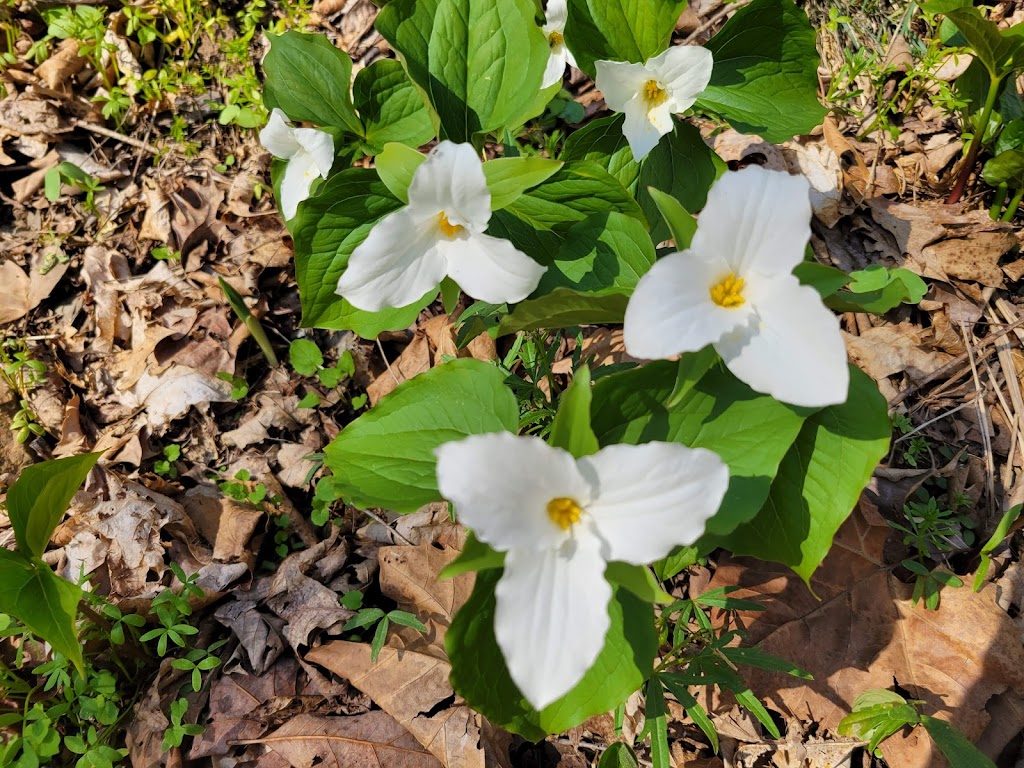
(71, 174)
(251, 321)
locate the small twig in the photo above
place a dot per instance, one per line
(100, 130)
(374, 516)
(386, 363)
(928, 423)
(715, 18)
(955, 363)
(986, 441)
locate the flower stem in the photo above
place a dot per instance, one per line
(976, 141)
(1011, 209)
(997, 202)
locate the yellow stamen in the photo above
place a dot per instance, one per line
(564, 512)
(555, 38)
(449, 229)
(654, 94)
(728, 292)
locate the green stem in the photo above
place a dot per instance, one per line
(975, 146)
(1011, 208)
(997, 202)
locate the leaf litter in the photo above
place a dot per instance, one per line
(134, 349)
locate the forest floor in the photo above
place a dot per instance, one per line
(110, 280)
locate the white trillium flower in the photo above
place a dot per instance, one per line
(554, 32)
(649, 94)
(561, 520)
(734, 288)
(309, 152)
(439, 233)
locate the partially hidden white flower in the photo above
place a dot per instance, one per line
(649, 94)
(439, 233)
(309, 152)
(561, 520)
(554, 32)
(734, 288)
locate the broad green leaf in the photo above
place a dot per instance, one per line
(571, 428)
(682, 165)
(878, 290)
(1011, 137)
(999, 51)
(480, 676)
(37, 500)
(1005, 168)
(509, 177)
(309, 80)
(960, 752)
(618, 755)
(480, 62)
(620, 30)
(606, 250)
(385, 458)
(475, 556)
(326, 230)
(765, 79)
(42, 601)
(824, 279)
(639, 580)
(819, 481)
(391, 107)
(305, 356)
(539, 221)
(396, 165)
(565, 308)
(677, 560)
(681, 224)
(750, 431)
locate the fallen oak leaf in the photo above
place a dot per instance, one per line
(865, 632)
(364, 741)
(414, 689)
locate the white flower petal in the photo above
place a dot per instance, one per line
(671, 310)
(652, 497)
(320, 146)
(796, 354)
(555, 14)
(491, 269)
(396, 264)
(555, 70)
(451, 180)
(299, 175)
(552, 617)
(277, 136)
(569, 58)
(758, 220)
(684, 71)
(501, 485)
(620, 82)
(643, 129)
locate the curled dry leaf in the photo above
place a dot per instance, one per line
(372, 740)
(864, 632)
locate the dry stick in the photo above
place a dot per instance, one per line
(100, 130)
(1009, 370)
(384, 522)
(955, 363)
(986, 442)
(940, 417)
(381, 348)
(717, 17)
(1011, 418)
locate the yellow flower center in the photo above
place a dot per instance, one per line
(654, 94)
(564, 512)
(555, 38)
(449, 229)
(728, 292)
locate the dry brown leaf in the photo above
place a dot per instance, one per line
(61, 65)
(408, 575)
(410, 686)
(170, 394)
(223, 522)
(864, 633)
(820, 165)
(14, 302)
(941, 241)
(887, 350)
(373, 740)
